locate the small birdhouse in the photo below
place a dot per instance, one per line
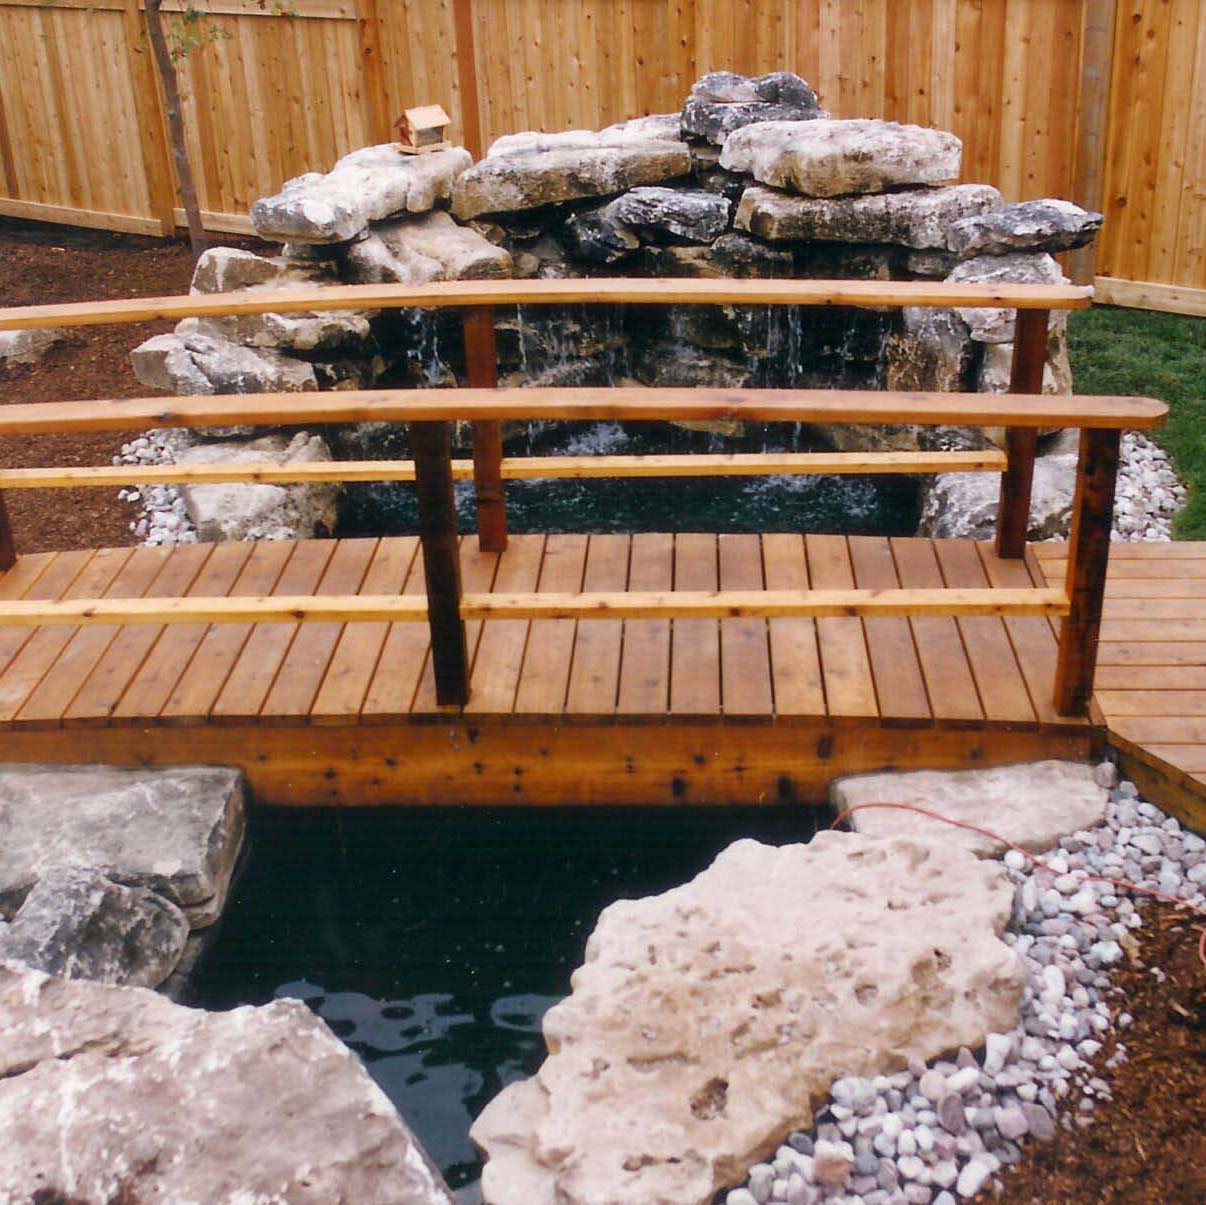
(423, 129)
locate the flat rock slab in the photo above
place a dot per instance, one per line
(831, 158)
(526, 171)
(196, 364)
(110, 1093)
(690, 214)
(1047, 225)
(77, 924)
(709, 1021)
(1031, 805)
(920, 218)
(369, 185)
(723, 101)
(176, 831)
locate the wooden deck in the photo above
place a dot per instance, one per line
(601, 710)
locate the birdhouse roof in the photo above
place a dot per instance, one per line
(426, 116)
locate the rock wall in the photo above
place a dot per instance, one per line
(751, 179)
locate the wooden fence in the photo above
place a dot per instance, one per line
(1103, 101)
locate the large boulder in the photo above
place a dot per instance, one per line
(931, 353)
(994, 325)
(831, 158)
(598, 235)
(690, 214)
(731, 255)
(416, 250)
(243, 511)
(525, 171)
(117, 1094)
(1048, 225)
(193, 363)
(1031, 805)
(78, 924)
(723, 101)
(369, 185)
(175, 831)
(710, 1020)
(920, 218)
(28, 346)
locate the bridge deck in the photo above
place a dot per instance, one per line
(648, 710)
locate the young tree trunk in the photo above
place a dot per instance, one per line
(171, 95)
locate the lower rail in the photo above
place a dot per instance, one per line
(390, 608)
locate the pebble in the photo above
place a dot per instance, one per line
(933, 1085)
(972, 1178)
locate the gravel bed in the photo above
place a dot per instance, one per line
(1149, 492)
(939, 1133)
(162, 517)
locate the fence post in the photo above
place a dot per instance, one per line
(431, 445)
(1021, 443)
(8, 547)
(481, 362)
(1088, 559)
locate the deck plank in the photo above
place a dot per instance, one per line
(41, 580)
(745, 666)
(645, 663)
(544, 675)
(598, 644)
(944, 661)
(304, 666)
(998, 678)
(899, 683)
(845, 661)
(695, 643)
(354, 661)
(795, 656)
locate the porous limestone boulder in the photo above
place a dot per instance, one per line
(690, 214)
(525, 171)
(731, 255)
(931, 353)
(963, 506)
(994, 325)
(175, 831)
(707, 1022)
(78, 924)
(919, 218)
(243, 511)
(116, 1093)
(723, 101)
(996, 365)
(1031, 805)
(830, 158)
(229, 269)
(188, 364)
(416, 250)
(28, 346)
(1047, 225)
(599, 236)
(369, 185)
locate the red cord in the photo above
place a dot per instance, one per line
(1125, 884)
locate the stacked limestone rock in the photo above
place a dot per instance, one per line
(751, 179)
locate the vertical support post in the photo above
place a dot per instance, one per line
(1088, 559)
(1021, 443)
(481, 362)
(431, 444)
(8, 547)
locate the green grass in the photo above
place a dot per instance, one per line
(1133, 352)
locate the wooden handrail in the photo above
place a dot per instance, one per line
(621, 405)
(398, 608)
(516, 468)
(586, 291)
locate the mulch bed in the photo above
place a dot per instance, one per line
(41, 265)
(1148, 1144)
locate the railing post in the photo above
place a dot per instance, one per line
(1021, 443)
(8, 547)
(431, 444)
(1088, 559)
(481, 363)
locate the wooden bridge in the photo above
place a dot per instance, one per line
(588, 668)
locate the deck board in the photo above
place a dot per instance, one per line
(696, 703)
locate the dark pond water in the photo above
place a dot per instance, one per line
(433, 940)
(850, 505)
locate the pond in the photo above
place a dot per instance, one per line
(432, 941)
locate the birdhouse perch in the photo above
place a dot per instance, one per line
(423, 129)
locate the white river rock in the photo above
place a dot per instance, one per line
(1032, 805)
(710, 1020)
(117, 1094)
(828, 157)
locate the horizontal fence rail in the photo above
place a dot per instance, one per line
(430, 414)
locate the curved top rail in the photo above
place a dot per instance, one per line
(625, 404)
(633, 291)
